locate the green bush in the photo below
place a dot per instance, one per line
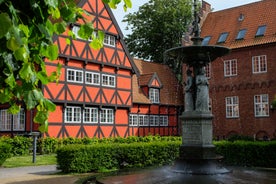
(240, 138)
(20, 145)
(47, 145)
(245, 153)
(5, 152)
(106, 156)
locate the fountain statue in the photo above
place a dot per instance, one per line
(197, 153)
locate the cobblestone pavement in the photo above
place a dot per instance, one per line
(35, 175)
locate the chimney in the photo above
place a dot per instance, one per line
(206, 8)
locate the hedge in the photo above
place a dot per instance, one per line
(247, 153)
(5, 152)
(20, 144)
(105, 156)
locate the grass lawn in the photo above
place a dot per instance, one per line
(21, 161)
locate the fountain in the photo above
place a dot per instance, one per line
(197, 153)
(198, 162)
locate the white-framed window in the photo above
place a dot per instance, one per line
(154, 120)
(107, 116)
(133, 120)
(72, 115)
(108, 80)
(75, 30)
(232, 107)
(154, 95)
(143, 120)
(74, 75)
(230, 68)
(261, 105)
(9, 121)
(259, 64)
(92, 78)
(90, 115)
(109, 40)
(164, 121)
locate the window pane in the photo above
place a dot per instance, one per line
(261, 30)
(259, 64)
(232, 107)
(261, 105)
(222, 37)
(206, 40)
(241, 34)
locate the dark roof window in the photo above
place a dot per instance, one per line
(206, 40)
(222, 37)
(261, 30)
(241, 34)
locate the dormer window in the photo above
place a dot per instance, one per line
(206, 40)
(261, 30)
(154, 95)
(241, 34)
(223, 37)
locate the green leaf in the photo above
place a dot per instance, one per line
(49, 51)
(13, 44)
(60, 27)
(97, 43)
(22, 54)
(51, 3)
(25, 29)
(50, 106)
(41, 117)
(86, 30)
(14, 109)
(5, 23)
(26, 72)
(42, 76)
(52, 52)
(128, 3)
(10, 80)
(5, 95)
(32, 97)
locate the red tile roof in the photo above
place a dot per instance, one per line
(251, 17)
(171, 93)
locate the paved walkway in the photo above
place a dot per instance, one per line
(35, 175)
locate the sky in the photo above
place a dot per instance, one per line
(215, 4)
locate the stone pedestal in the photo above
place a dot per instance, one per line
(197, 153)
(197, 134)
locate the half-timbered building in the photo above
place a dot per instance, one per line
(103, 93)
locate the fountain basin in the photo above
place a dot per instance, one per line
(197, 53)
(165, 175)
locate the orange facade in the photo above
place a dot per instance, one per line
(96, 93)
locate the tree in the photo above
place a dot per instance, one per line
(27, 29)
(157, 26)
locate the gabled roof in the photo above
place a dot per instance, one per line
(171, 92)
(150, 80)
(248, 17)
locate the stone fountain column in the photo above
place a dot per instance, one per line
(197, 153)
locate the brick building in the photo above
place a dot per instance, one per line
(243, 83)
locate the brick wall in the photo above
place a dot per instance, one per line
(245, 85)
